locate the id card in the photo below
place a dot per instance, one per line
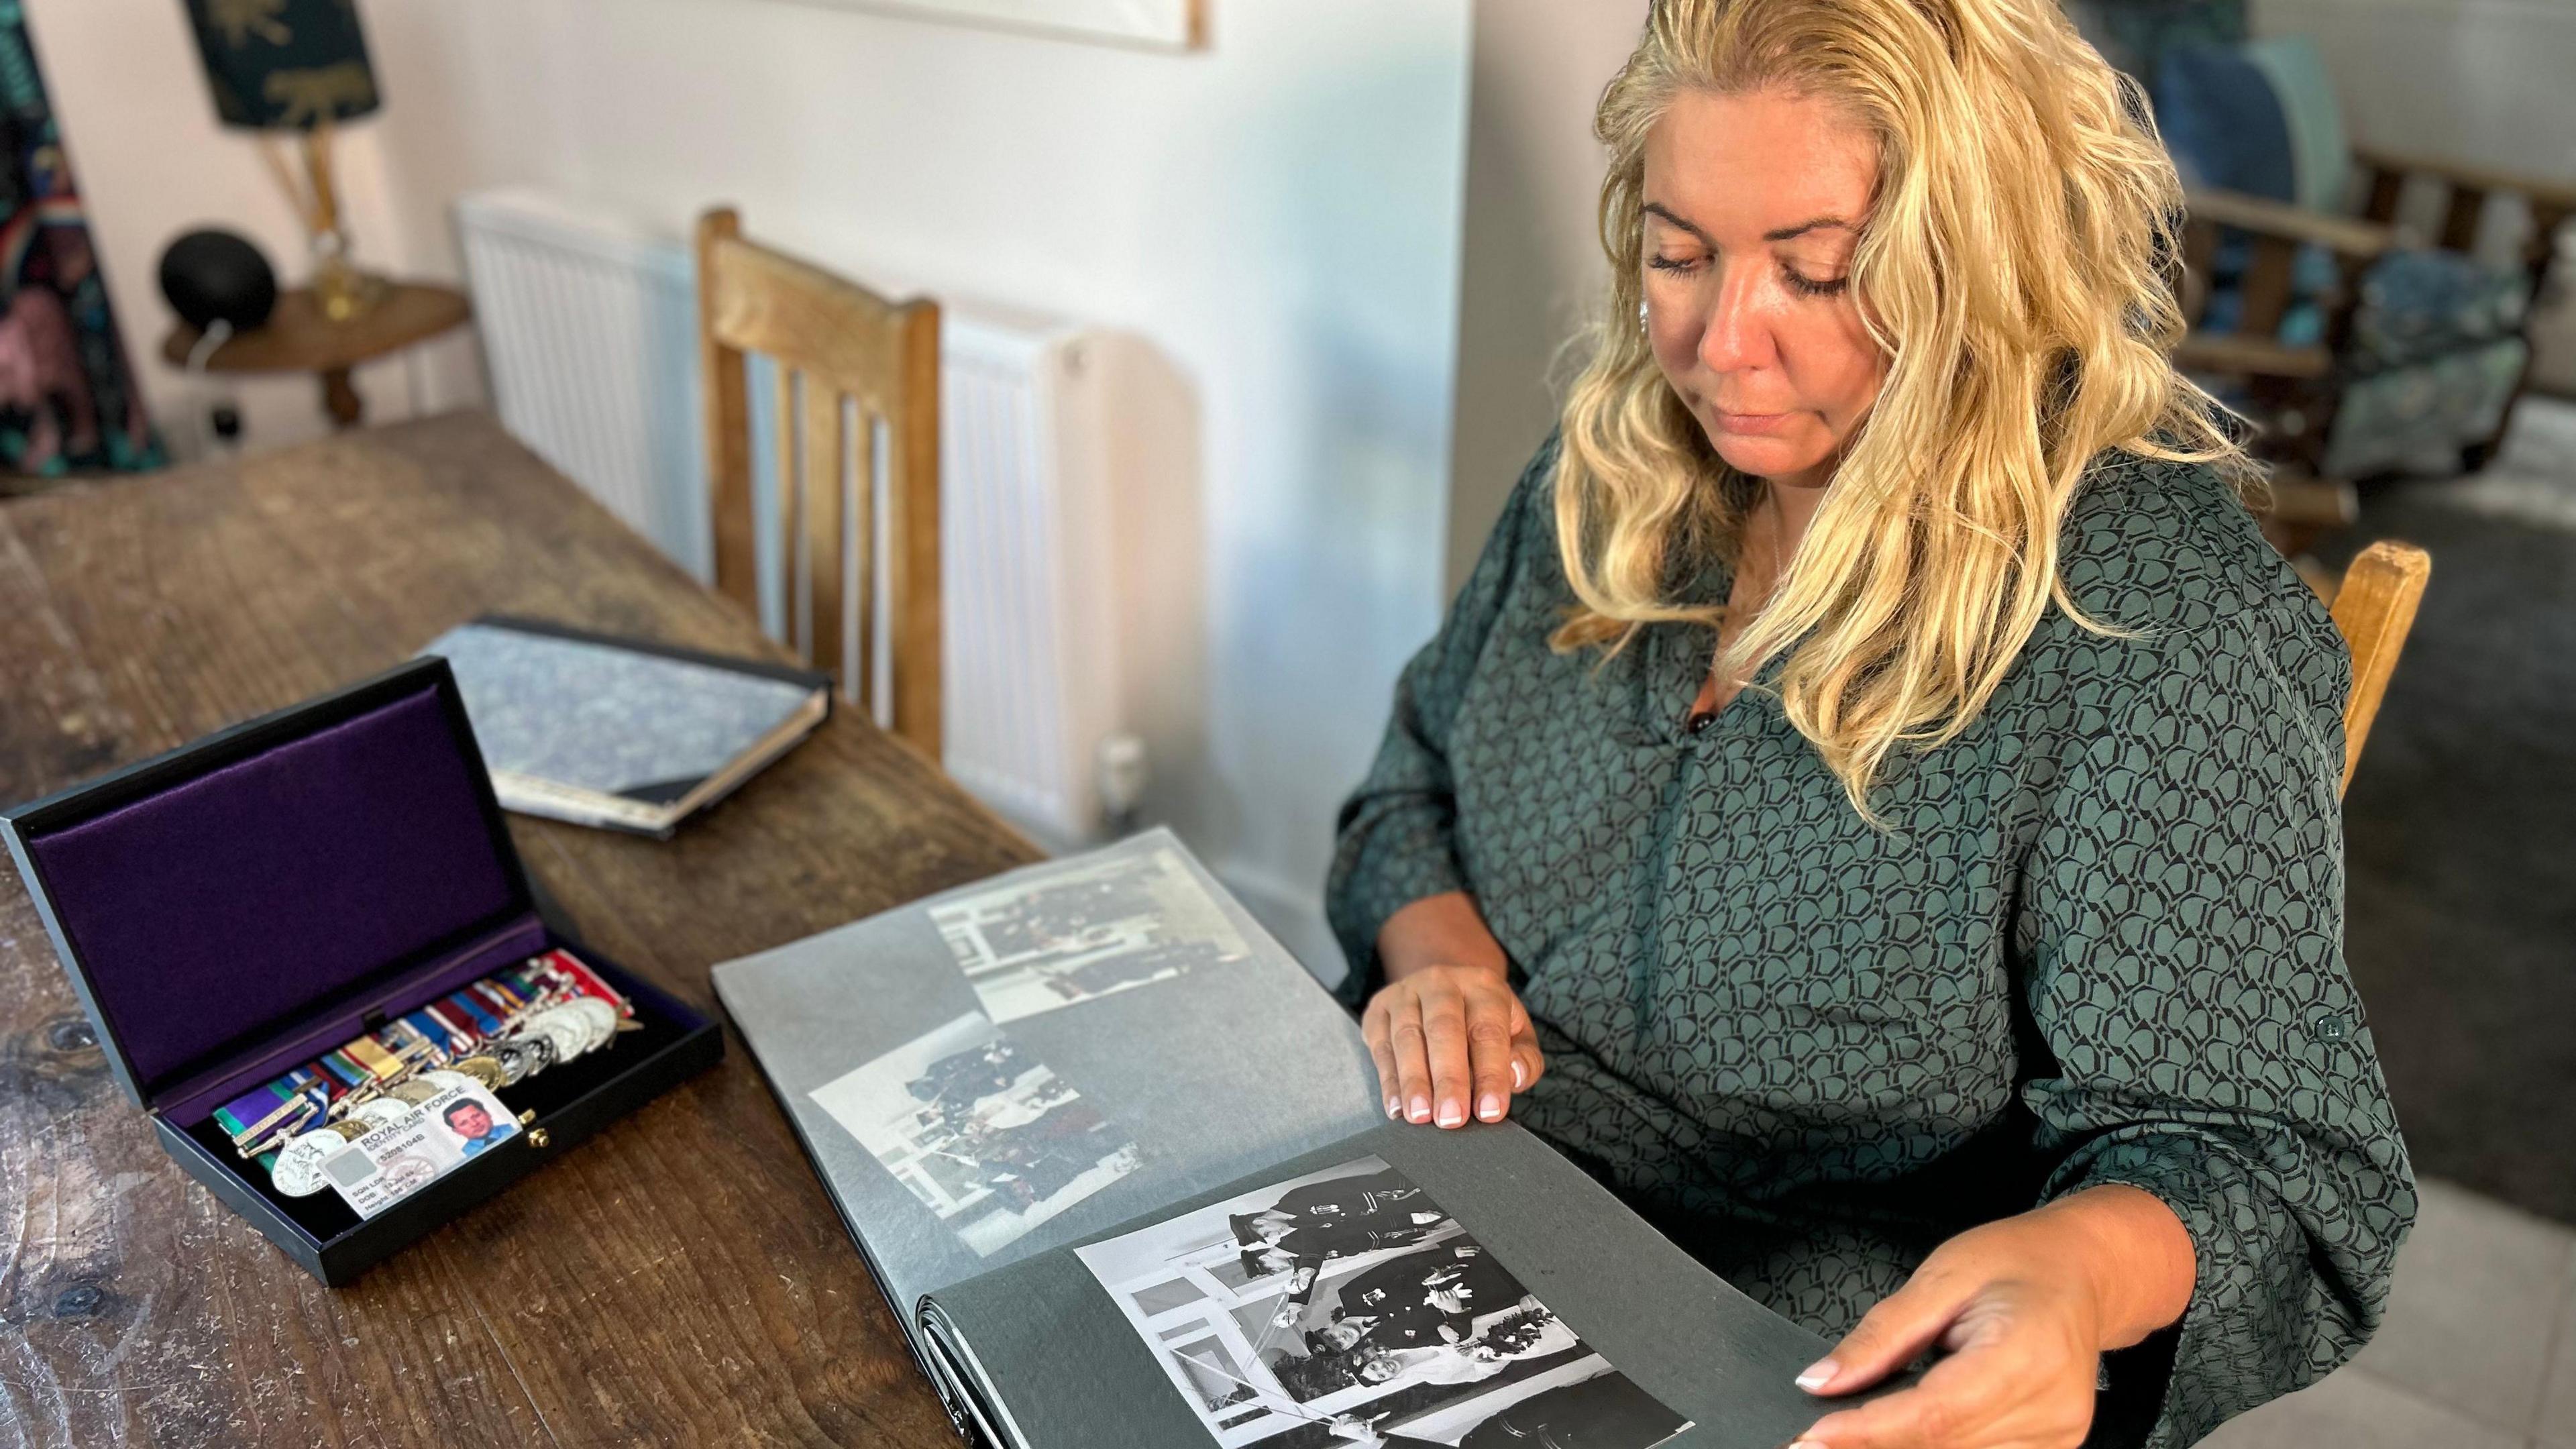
(400, 1158)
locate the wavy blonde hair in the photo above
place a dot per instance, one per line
(2015, 268)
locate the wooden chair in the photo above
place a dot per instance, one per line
(2374, 608)
(853, 368)
(2294, 390)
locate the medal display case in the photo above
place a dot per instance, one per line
(247, 905)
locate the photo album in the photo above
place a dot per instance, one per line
(1120, 1165)
(620, 733)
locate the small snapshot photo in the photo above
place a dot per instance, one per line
(1087, 930)
(982, 1132)
(1347, 1308)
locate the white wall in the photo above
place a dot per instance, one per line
(151, 162)
(1533, 263)
(1277, 215)
(2481, 81)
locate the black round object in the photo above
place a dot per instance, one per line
(212, 276)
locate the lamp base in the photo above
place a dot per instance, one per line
(343, 291)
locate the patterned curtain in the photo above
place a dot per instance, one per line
(67, 398)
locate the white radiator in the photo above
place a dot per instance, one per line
(589, 329)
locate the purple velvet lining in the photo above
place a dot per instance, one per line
(190, 1102)
(235, 900)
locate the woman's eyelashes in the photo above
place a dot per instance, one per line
(1803, 285)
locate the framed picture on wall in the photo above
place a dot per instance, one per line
(1172, 24)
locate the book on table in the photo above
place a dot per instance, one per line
(1120, 1165)
(622, 733)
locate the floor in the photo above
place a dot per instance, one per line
(2460, 826)
(2478, 1350)
(2461, 837)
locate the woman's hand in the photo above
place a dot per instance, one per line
(1447, 1031)
(1447, 1036)
(2025, 1308)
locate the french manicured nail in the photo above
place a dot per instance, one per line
(1420, 1110)
(1520, 1075)
(1451, 1114)
(1491, 1108)
(1393, 1106)
(1818, 1374)
(1807, 1444)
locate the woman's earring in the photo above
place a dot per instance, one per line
(1642, 324)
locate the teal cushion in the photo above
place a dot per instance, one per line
(2320, 152)
(2223, 123)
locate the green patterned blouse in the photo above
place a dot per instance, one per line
(2101, 942)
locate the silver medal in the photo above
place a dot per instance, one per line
(298, 1170)
(384, 1111)
(564, 1028)
(518, 1059)
(596, 1014)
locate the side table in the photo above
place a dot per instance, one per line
(298, 338)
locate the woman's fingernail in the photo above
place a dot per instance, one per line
(1393, 1106)
(1451, 1114)
(1819, 1374)
(1420, 1110)
(1520, 1075)
(1491, 1109)
(1808, 1444)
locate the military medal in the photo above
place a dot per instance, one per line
(519, 1059)
(371, 1055)
(486, 1035)
(384, 1112)
(598, 1015)
(482, 1069)
(564, 1029)
(298, 1171)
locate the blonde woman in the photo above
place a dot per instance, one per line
(1874, 803)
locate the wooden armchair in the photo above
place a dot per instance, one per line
(2550, 205)
(2289, 385)
(2294, 388)
(2374, 610)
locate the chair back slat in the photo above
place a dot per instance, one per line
(2374, 609)
(828, 504)
(857, 374)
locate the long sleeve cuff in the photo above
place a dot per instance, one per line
(1392, 853)
(2252, 1330)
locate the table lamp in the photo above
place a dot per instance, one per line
(296, 65)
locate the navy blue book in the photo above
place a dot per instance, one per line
(622, 733)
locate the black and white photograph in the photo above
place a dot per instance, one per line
(982, 1132)
(1346, 1307)
(1091, 929)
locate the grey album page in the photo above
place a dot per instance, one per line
(1016, 1064)
(1175, 1358)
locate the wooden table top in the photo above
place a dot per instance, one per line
(679, 1279)
(298, 338)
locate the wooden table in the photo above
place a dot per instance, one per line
(299, 338)
(680, 1279)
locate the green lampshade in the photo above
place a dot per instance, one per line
(284, 65)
